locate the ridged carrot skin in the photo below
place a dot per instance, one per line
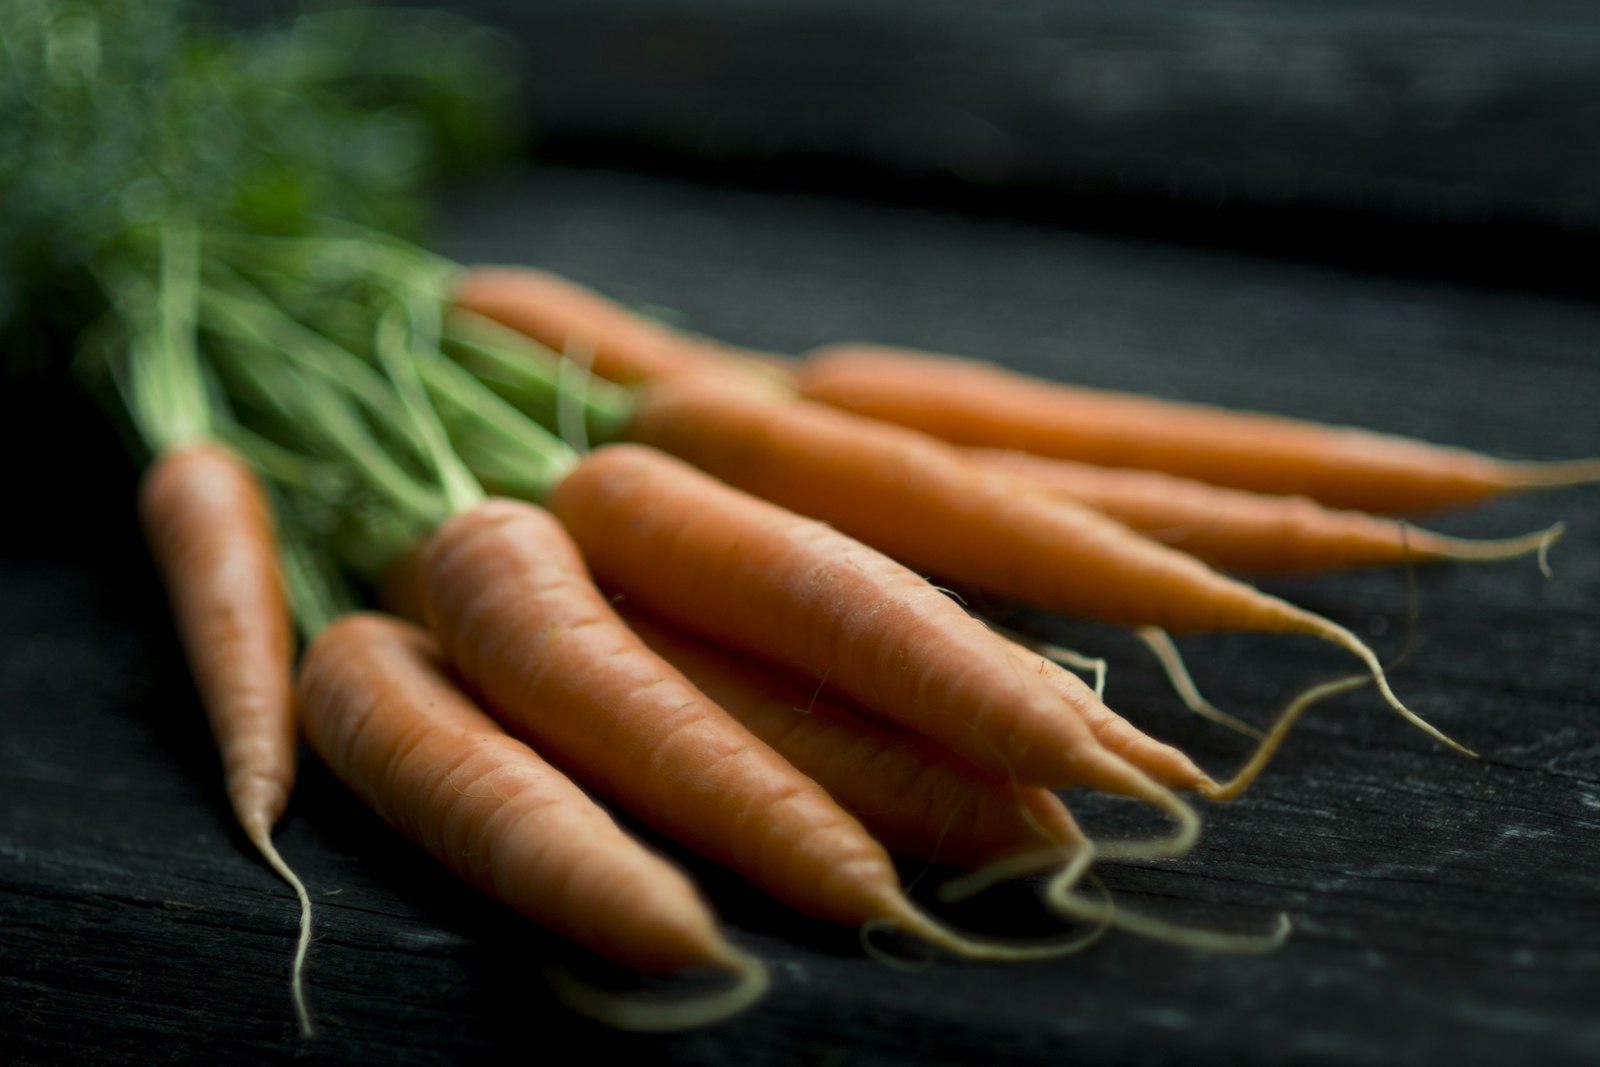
(381, 711)
(915, 797)
(971, 402)
(209, 529)
(513, 606)
(927, 504)
(1236, 529)
(924, 502)
(754, 576)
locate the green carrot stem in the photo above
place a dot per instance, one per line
(500, 443)
(529, 375)
(461, 490)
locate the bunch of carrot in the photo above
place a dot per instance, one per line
(616, 561)
(709, 619)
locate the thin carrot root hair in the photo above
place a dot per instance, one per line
(1325, 628)
(1171, 846)
(1066, 657)
(1073, 860)
(1469, 550)
(1553, 474)
(936, 934)
(1549, 537)
(1161, 645)
(664, 1012)
(1061, 896)
(1229, 790)
(1070, 862)
(260, 834)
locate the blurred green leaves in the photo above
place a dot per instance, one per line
(115, 114)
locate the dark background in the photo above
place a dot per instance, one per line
(1373, 214)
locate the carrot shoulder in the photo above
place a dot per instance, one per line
(971, 402)
(380, 709)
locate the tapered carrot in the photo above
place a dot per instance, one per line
(923, 502)
(617, 343)
(927, 503)
(914, 796)
(209, 527)
(513, 606)
(754, 576)
(921, 802)
(975, 403)
(1237, 529)
(379, 708)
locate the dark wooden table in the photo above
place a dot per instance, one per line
(1445, 910)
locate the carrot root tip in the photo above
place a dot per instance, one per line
(1072, 904)
(1353, 644)
(1071, 860)
(1161, 645)
(640, 1012)
(1551, 536)
(1273, 741)
(259, 836)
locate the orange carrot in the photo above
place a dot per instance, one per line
(513, 606)
(925, 503)
(919, 801)
(210, 531)
(912, 794)
(617, 343)
(975, 403)
(1237, 529)
(754, 576)
(379, 708)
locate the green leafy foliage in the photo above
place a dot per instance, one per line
(117, 114)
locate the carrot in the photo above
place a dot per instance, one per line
(753, 576)
(512, 604)
(923, 502)
(379, 708)
(920, 802)
(1238, 529)
(618, 344)
(210, 531)
(912, 794)
(975, 403)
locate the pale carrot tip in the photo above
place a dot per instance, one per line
(1466, 550)
(1557, 474)
(912, 921)
(260, 835)
(643, 1013)
(1176, 844)
(1072, 861)
(1172, 933)
(1229, 790)
(1332, 631)
(1161, 645)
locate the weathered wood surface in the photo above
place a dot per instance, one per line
(1291, 127)
(1445, 910)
